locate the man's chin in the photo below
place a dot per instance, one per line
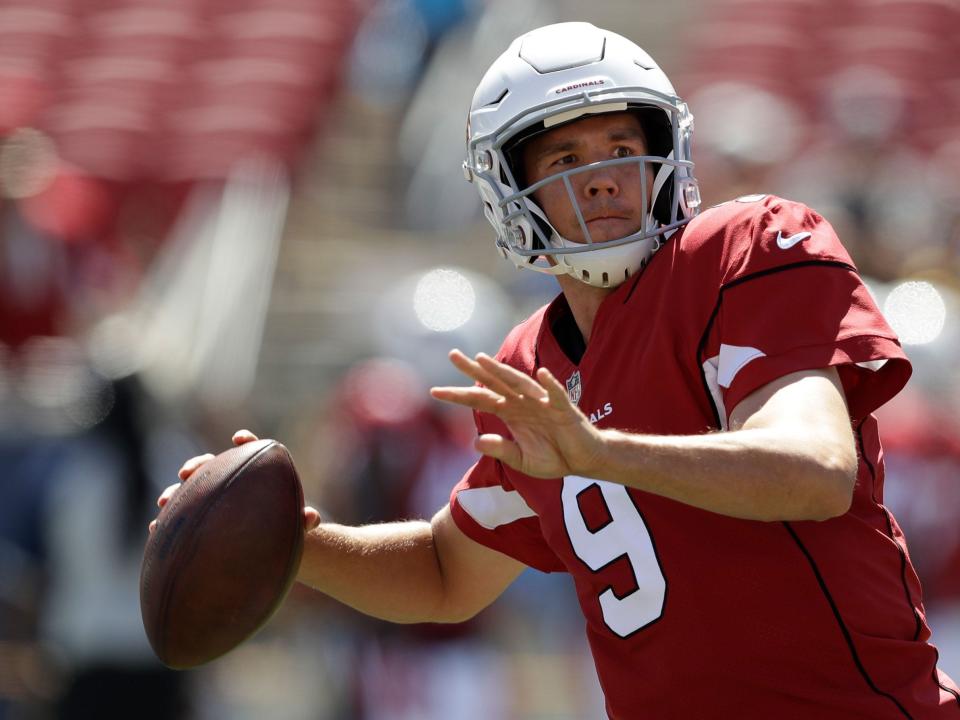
(607, 229)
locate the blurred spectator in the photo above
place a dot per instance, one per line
(84, 463)
(397, 452)
(100, 499)
(27, 680)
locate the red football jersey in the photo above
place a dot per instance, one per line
(691, 614)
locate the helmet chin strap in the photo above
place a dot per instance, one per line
(553, 267)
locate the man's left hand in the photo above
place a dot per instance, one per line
(551, 436)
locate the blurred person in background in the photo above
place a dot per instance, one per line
(91, 624)
(686, 429)
(395, 454)
(70, 603)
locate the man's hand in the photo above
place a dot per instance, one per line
(551, 436)
(310, 516)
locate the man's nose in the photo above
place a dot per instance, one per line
(601, 182)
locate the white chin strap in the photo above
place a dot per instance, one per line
(556, 269)
(606, 266)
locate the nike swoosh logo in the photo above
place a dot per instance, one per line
(785, 243)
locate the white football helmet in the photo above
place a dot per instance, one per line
(554, 75)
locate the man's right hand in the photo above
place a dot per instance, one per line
(311, 517)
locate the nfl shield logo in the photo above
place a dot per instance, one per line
(573, 387)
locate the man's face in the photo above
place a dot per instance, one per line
(610, 198)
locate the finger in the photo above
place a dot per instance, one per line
(191, 465)
(311, 518)
(167, 494)
(243, 436)
(152, 526)
(478, 398)
(556, 392)
(472, 369)
(498, 447)
(517, 381)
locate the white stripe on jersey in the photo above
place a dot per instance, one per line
(494, 506)
(720, 370)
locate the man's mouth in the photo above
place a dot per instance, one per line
(601, 218)
(605, 215)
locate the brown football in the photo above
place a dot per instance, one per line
(224, 554)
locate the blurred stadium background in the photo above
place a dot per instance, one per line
(217, 215)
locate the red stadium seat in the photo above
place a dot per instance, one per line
(933, 17)
(24, 95)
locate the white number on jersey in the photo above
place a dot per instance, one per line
(625, 534)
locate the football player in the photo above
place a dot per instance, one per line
(686, 429)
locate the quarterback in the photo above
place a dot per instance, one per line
(686, 429)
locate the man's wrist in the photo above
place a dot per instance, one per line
(598, 464)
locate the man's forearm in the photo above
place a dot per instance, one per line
(757, 474)
(389, 571)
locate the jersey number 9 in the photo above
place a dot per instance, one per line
(624, 534)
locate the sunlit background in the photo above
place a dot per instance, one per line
(217, 215)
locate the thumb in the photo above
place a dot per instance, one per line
(311, 518)
(498, 447)
(243, 436)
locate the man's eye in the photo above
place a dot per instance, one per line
(565, 160)
(623, 151)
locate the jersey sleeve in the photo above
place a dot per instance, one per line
(489, 510)
(792, 300)
(499, 518)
